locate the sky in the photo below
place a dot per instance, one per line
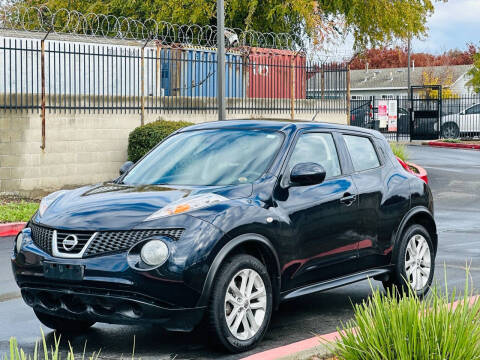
(454, 24)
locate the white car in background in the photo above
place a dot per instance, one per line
(466, 122)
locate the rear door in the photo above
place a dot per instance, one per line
(368, 174)
(470, 122)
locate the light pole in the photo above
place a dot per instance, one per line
(408, 65)
(221, 60)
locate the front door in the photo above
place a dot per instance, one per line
(322, 217)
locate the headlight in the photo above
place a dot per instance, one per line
(189, 204)
(154, 253)
(19, 242)
(48, 200)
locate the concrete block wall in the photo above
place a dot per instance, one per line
(80, 148)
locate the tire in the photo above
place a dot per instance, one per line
(406, 265)
(63, 325)
(450, 130)
(241, 310)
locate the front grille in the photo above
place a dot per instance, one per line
(113, 241)
(42, 237)
(103, 242)
(82, 237)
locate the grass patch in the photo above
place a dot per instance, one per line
(44, 352)
(399, 150)
(16, 210)
(391, 327)
(453, 141)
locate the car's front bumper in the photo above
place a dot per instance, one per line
(108, 306)
(111, 291)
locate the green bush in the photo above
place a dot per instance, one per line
(390, 327)
(400, 151)
(144, 138)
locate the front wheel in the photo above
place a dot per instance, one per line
(414, 262)
(450, 130)
(63, 325)
(241, 303)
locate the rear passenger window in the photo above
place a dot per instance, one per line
(362, 152)
(318, 148)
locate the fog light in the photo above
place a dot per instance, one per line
(19, 241)
(154, 253)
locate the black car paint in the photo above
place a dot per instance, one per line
(353, 227)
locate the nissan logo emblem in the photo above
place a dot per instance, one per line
(70, 242)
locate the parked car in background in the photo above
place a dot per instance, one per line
(225, 220)
(466, 122)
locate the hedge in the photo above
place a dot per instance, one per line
(144, 138)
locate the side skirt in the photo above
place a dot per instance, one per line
(334, 283)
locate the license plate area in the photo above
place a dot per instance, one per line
(63, 271)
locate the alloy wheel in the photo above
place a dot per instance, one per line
(245, 304)
(417, 262)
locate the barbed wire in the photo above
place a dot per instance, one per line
(72, 22)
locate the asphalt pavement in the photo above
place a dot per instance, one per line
(455, 181)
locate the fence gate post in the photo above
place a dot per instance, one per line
(349, 105)
(292, 89)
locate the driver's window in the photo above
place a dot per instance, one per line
(473, 110)
(318, 148)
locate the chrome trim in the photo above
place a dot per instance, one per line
(59, 254)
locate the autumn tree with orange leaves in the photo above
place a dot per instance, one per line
(398, 57)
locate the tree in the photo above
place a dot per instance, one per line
(475, 74)
(398, 57)
(444, 78)
(371, 22)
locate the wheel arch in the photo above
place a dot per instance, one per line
(418, 215)
(253, 244)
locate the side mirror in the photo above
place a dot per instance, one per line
(125, 167)
(304, 174)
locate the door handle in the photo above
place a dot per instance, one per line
(348, 199)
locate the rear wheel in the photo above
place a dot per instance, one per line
(450, 130)
(414, 263)
(241, 303)
(63, 325)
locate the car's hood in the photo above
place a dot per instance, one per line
(111, 206)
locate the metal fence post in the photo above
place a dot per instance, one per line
(142, 82)
(292, 89)
(42, 65)
(221, 60)
(398, 119)
(349, 105)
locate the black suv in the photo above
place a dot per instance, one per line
(227, 220)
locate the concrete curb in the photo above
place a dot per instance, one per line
(453, 145)
(11, 229)
(304, 349)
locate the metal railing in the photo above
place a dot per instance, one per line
(420, 117)
(149, 77)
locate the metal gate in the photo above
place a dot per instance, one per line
(425, 112)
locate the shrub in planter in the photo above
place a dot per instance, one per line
(400, 151)
(393, 327)
(144, 138)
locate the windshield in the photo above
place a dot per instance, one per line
(208, 157)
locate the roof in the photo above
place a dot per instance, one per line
(275, 125)
(396, 78)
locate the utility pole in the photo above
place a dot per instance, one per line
(221, 60)
(408, 66)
